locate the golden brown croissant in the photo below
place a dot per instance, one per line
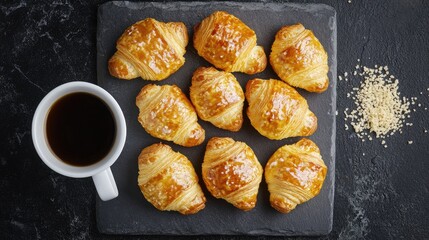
(166, 113)
(277, 111)
(168, 181)
(150, 49)
(294, 174)
(232, 172)
(218, 98)
(299, 59)
(229, 44)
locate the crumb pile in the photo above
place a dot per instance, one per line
(379, 107)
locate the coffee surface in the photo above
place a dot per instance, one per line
(80, 129)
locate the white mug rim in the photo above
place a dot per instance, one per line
(39, 133)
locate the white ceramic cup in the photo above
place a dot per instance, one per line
(99, 171)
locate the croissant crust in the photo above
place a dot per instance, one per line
(299, 58)
(232, 172)
(150, 49)
(218, 98)
(294, 174)
(229, 44)
(166, 113)
(168, 181)
(278, 111)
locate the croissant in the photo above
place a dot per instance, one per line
(299, 59)
(218, 98)
(166, 113)
(229, 44)
(232, 172)
(294, 174)
(168, 181)
(150, 49)
(277, 111)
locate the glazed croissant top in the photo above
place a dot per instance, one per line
(277, 111)
(150, 49)
(232, 172)
(218, 98)
(166, 113)
(299, 58)
(229, 44)
(167, 179)
(294, 174)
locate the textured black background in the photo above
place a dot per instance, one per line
(382, 195)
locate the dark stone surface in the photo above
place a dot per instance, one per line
(382, 195)
(130, 213)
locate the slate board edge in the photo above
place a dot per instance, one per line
(271, 4)
(333, 69)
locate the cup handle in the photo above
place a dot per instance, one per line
(105, 185)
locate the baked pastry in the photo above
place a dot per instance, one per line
(299, 59)
(166, 113)
(229, 44)
(277, 111)
(294, 174)
(150, 49)
(232, 172)
(168, 181)
(218, 98)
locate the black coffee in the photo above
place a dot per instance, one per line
(80, 129)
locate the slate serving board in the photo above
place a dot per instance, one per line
(130, 213)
